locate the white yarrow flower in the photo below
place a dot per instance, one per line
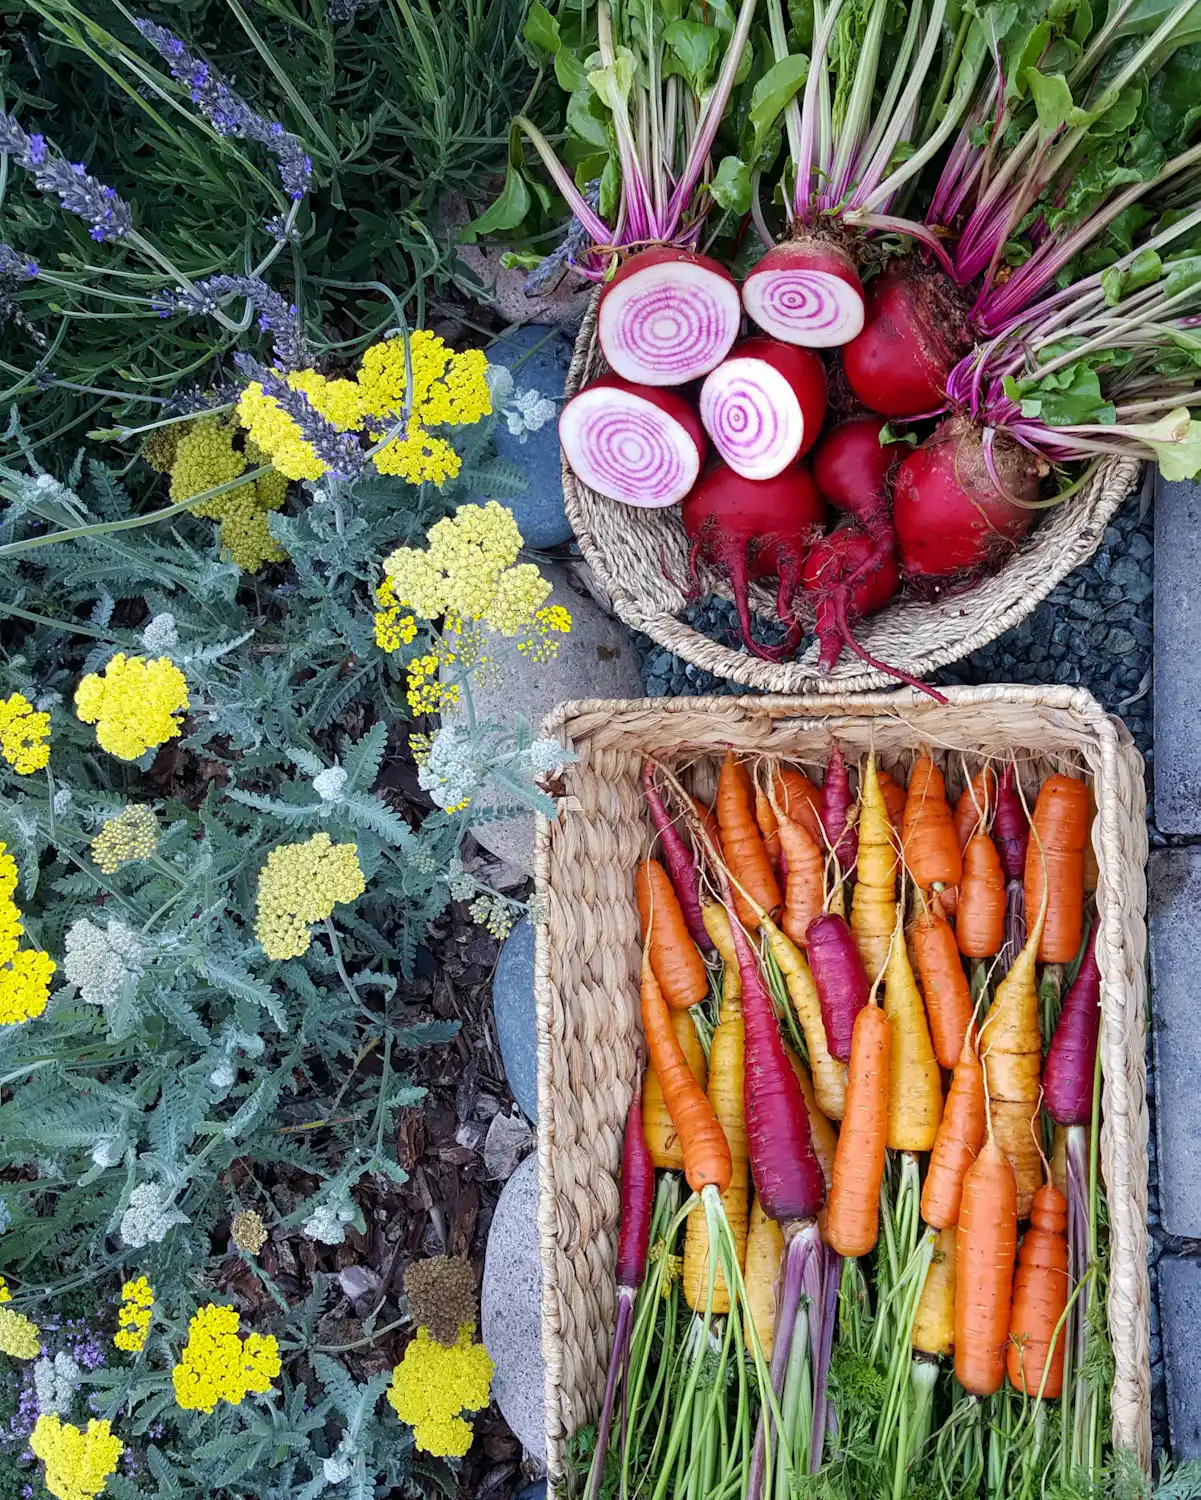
(330, 784)
(149, 1216)
(452, 774)
(327, 1223)
(54, 1382)
(99, 960)
(160, 637)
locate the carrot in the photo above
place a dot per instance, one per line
(677, 963)
(768, 826)
(1012, 1050)
(931, 847)
(726, 1052)
(960, 1136)
(874, 907)
(1059, 1158)
(1072, 1055)
(915, 1083)
(829, 1075)
(797, 798)
(894, 800)
(934, 1322)
(764, 1256)
(836, 806)
(980, 915)
(840, 977)
(662, 1139)
(1010, 826)
(805, 884)
(742, 845)
(1040, 1296)
(708, 820)
(678, 857)
(825, 1137)
(948, 997)
(1058, 833)
(853, 1215)
(986, 1244)
(971, 811)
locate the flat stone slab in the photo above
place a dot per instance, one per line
(511, 1309)
(513, 1010)
(539, 358)
(1180, 1313)
(1174, 882)
(1177, 659)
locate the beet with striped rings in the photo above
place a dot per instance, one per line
(668, 316)
(763, 407)
(806, 291)
(637, 444)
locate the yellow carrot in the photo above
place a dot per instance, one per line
(661, 1138)
(764, 1252)
(726, 1053)
(915, 1082)
(874, 905)
(829, 1075)
(934, 1323)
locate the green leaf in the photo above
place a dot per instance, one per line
(570, 73)
(612, 85)
(1053, 101)
(1175, 441)
(731, 187)
(541, 28)
(1118, 119)
(1144, 269)
(694, 47)
(583, 124)
(772, 92)
(1068, 396)
(1182, 275)
(511, 206)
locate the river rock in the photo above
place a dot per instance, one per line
(513, 1010)
(510, 1308)
(538, 357)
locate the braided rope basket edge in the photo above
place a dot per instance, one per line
(640, 559)
(588, 949)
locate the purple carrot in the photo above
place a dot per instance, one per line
(1072, 1057)
(836, 802)
(678, 859)
(1010, 827)
(633, 1242)
(840, 978)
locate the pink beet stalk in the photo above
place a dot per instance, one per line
(837, 802)
(840, 977)
(1072, 1058)
(677, 856)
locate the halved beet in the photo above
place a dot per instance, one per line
(806, 291)
(914, 331)
(749, 528)
(632, 442)
(668, 316)
(764, 406)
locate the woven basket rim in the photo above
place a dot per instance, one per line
(1120, 838)
(628, 551)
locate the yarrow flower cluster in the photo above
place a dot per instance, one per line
(455, 768)
(134, 1315)
(425, 693)
(434, 1383)
(159, 635)
(131, 835)
(327, 1223)
(107, 215)
(205, 457)
(19, 1335)
(493, 913)
(248, 1232)
(394, 627)
(100, 961)
(24, 735)
(523, 411)
(305, 421)
(133, 704)
(301, 884)
(54, 1382)
(218, 1365)
(78, 1463)
(24, 972)
(228, 113)
(149, 1216)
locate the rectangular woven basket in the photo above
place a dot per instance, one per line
(588, 949)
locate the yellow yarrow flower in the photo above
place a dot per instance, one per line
(19, 1336)
(392, 629)
(205, 457)
(25, 986)
(134, 1315)
(130, 835)
(425, 693)
(217, 1365)
(434, 1383)
(133, 704)
(301, 884)
(12, 929)
(520, 592)
(77, 1463)
(24, 735)
(417, 457)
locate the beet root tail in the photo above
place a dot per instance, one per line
(847, 639)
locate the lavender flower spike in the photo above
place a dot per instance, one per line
(338, 451)
(15, 267)
(275, 316)
(228, 113)
(108, 216)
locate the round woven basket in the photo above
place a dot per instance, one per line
(640, 558)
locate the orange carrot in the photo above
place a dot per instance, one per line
(986, 1244)
(1040, 1295)
(1060, 827)
(931, 847)
(768, 825)
(702, 1140)
(894, 800)
(662, 1140)
(742, 845)
(708, 820)
(960, 1135)
(800, 800)
(948, 998)
(853, 1215)
(971, 811)
(805, 885)
(980, 916)
(675, 958)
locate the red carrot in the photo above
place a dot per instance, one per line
(1011, 827)
(678, 858)
(840, 977)
(1071, 1060)
(836, 811)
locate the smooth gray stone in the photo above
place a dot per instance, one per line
(511, 1311)
(1174, 891)
(513, 1009)
(1180, 1314)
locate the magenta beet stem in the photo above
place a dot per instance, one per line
(678, 858)
(618, 1370)
(844, 631)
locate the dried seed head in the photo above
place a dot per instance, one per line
(442, 1295)
(248, 1231)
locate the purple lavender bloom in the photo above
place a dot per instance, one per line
(338, 451)
(229, 114)
(281, 319)
(15, 267)
(567, 253)
(108, 216)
